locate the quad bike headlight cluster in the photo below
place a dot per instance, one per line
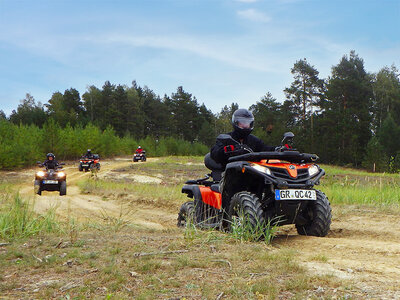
(261, 169)
(40, 174)
(61, 174)
(313, 170)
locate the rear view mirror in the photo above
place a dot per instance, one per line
(38, 162)
(227, 138)
(287, 138)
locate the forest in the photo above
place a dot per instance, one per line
(351, 118)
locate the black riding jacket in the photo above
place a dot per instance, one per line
(50, 164)
(218, 154)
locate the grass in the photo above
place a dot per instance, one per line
(360, 187)
(100, 260)
(17, 219)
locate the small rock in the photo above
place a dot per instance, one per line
(350, 270)
(134, 274)
(91, 271)
(63, 255)
(35, 290)
(69, 263)
(319, 290)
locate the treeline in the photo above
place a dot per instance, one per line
(350, 118)
(23, 145)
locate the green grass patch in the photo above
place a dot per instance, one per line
(18, 220)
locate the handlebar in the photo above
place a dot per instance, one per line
(290, 156)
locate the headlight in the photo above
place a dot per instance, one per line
(40, 174)
(61, 174)
(261, 169)
(313, 170)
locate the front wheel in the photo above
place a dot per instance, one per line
(319, 214)
(245, 213)
(36, 187)
(63, 188)
(80, 168)
(186, 214)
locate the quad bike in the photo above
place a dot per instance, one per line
(50, 180)
(139, 156)
(275, 188)
(87, 164)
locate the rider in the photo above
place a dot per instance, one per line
(139, 150)
(50, 162)
(88, 154)
(243, 124)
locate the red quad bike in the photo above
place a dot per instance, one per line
(264, 187)
(139, 156)
(50, 180)
(89, 163)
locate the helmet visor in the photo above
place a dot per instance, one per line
(244, 123)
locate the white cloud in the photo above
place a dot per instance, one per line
(253, 15)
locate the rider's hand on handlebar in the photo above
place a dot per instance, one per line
(229, 148)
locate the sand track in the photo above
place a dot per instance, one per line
(88, 208)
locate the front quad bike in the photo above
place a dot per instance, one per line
(50, 180)
(139, 157)
(265, 187)
(87, 164)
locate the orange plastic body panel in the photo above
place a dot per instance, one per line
(291, 168)
(210, 197)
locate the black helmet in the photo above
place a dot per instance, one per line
(50, 155)
(242, 122)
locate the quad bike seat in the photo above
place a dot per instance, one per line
(216, 168)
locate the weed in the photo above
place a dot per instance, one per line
(17, 220)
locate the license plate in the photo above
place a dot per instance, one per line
(50, 181)
(295, 195)
(85, 165)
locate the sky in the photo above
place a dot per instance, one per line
(220, 51)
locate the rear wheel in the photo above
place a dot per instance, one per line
(36, 187)
(186, 214)
(319, 214)
(245, 212)
(63, 188)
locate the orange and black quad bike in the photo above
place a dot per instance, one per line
(89, 163)
(275, 188)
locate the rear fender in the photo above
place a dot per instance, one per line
(203, 194)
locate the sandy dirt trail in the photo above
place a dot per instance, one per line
(86, 207)
(362, 246)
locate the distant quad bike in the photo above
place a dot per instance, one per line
(86, 164)
(50, 180)
(139, 156)
(263, 187)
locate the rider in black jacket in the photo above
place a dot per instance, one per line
(243, 124)
(50, 162)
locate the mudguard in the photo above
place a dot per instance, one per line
(204, 194)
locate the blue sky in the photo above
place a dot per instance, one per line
(221, 51)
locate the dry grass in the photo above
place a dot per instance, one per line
(105, 264)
